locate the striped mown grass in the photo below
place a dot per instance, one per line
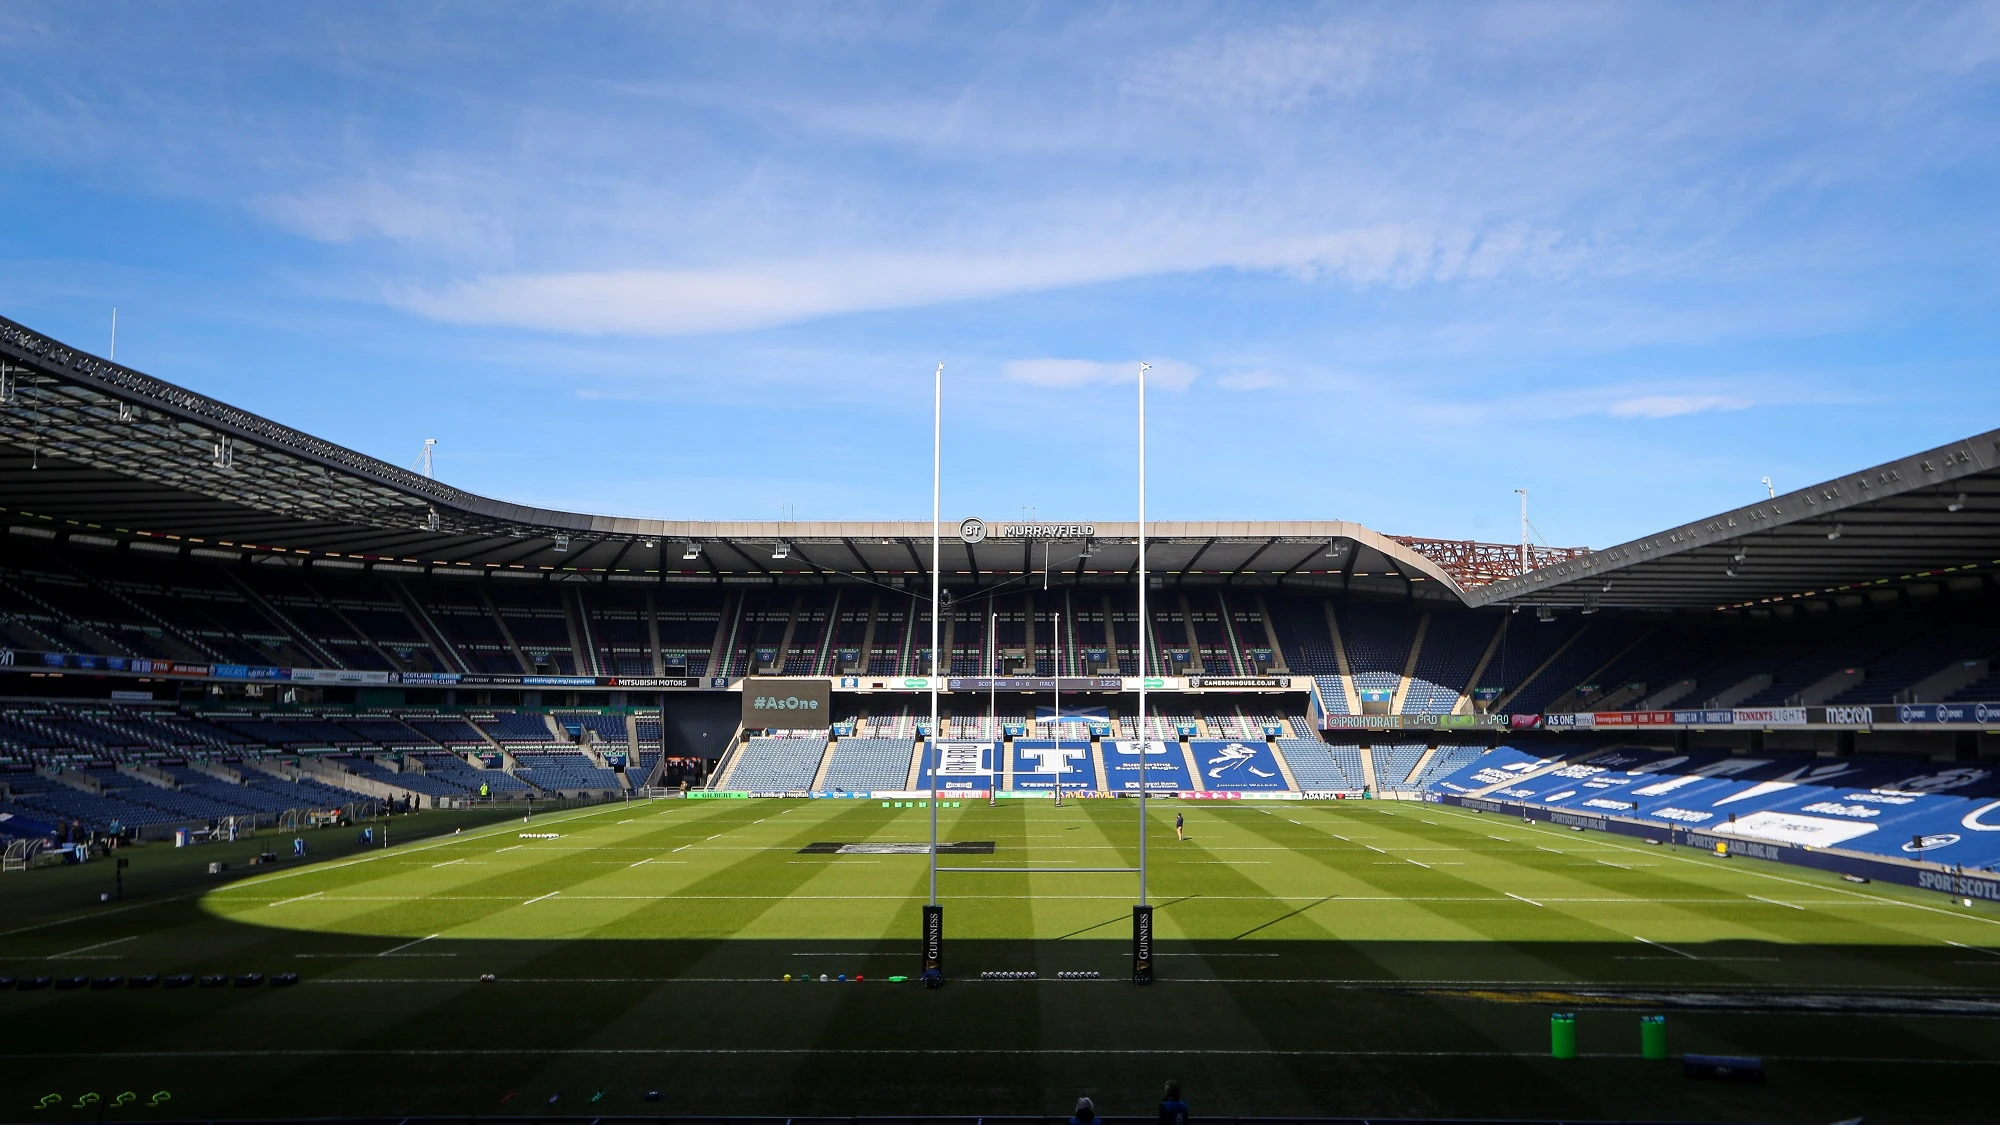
(1314, 958)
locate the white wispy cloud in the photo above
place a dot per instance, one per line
(1168, 373)
(726, 298)
(1266, 68)
(1248, 381)
(429, 210)
(1672, 406)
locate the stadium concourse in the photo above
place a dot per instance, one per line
(212, 625)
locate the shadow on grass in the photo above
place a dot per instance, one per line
(384, 1025)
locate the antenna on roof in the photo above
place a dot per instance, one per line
(424, 464)
(113, 357)
(1523, 493)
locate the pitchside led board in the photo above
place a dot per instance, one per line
(787, 704)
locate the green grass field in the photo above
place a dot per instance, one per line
(1315, 959)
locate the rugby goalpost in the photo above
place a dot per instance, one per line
(932, 936)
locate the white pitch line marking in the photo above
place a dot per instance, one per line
(1425, 866)
(1775, 902)
(447, 863)
(405, 945)
(717, 836)
(1207, 955)
(1668, 948)
(88, 948)
(300, 898)
(509, 849)
(1374, 849)
(1973, 948)
(682, 848)
(1619, 866)
(1523, 898)
(533, 901)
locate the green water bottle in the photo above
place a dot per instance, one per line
(1653, 1037)
(1562, 1035)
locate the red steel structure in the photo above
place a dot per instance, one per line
(1472, 564)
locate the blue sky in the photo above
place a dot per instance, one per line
(1390, 262)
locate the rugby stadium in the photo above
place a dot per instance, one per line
(330, 791)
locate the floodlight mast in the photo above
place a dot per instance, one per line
(937, 583)
(1523, 494)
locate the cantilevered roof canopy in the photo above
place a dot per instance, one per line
(92, 448)
(1913, 518)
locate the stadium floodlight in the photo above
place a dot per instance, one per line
(781, 550)
(1957, 505)
(1835, 533)
(562, 543)
(692, 552)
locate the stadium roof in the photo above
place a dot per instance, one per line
(99, 452)
(1922, 518)
(94, 450)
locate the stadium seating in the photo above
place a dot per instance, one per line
(864, 764)
(515, 726)
(563, 770)
(776, 765)
(608, 728)
(1394, 762)
(1447, 761)
(454, 770)
(414, 780)
(1886, 807)
(1319, 766)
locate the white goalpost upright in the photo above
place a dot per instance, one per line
(1055, 716)
(1142, 912)
(933, 934)
(937, 587)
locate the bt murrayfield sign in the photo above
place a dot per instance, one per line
(975, 530)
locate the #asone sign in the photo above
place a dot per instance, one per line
(786, 704)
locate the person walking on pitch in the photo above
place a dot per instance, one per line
(1180, 827)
